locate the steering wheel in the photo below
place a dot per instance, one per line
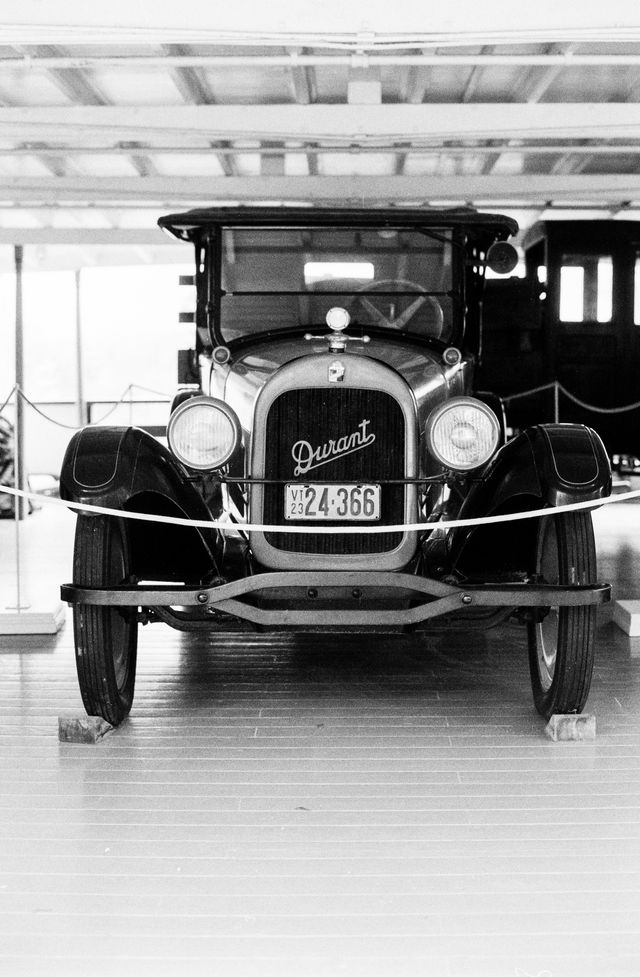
(432, 315)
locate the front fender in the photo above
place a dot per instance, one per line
(545, 465)
(126, 468)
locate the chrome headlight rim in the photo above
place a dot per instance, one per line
(435, 419)
(203, 400)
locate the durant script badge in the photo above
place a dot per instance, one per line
(308, 457)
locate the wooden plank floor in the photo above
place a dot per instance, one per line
(308, 805)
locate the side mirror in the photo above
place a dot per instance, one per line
(502, 257)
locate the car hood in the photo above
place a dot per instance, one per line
(423, 369)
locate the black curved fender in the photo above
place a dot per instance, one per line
(545, 465)
(126, 468)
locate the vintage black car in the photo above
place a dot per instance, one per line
(328, 418)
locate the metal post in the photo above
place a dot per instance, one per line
(19, 374)
(556, 402)
(20, 505)
(82, 404)
(17, 514)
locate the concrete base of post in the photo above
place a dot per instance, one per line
(32, 620)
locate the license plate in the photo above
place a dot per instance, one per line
(332, 502)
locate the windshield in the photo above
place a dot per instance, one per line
(275, 278)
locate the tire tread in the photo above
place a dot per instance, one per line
(93, 626)
(576, 632)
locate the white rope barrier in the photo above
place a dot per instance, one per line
(529, 393)
(324, 530)
(556, 385)
(8, 398)
(598, 410)
(319, 529)
(122, 401)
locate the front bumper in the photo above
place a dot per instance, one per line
(337, 599)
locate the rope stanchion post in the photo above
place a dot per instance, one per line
(19, 377)
(20, 503)
(19, 507)
(81, 402)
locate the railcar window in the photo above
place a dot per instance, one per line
(604, 307)
(586, 288)
(572, 293)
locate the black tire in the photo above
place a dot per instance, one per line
(106, 638)
(561, 644)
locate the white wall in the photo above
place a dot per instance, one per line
(130, 335)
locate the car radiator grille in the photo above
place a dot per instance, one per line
(320, 415)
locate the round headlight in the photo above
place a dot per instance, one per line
(204, 433)
(463, 433)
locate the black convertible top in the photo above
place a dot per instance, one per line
(189, 226)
